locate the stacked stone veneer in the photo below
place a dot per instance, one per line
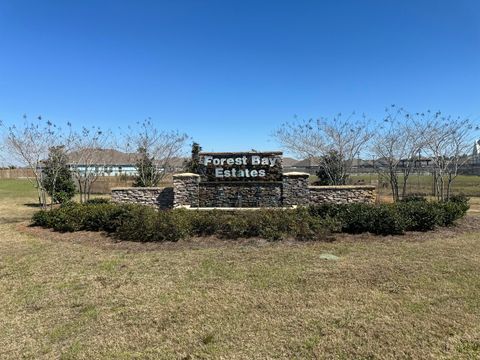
(344, 194)
(186, 190)
(296, 191)
(189, 191)
(160, 197)
(249, 194)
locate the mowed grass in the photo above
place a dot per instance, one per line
(416, 297)
(18, 200)
(464, 184)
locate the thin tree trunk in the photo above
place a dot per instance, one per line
(394, 185)
(39, 194)
(80, 189)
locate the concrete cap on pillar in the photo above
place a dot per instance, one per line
(186, 175)
(297, 174)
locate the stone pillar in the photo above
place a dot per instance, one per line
(185, 190)
(295, 189)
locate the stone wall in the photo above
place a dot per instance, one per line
(189, 191)
(185, 189)
(258, 194)
(342, 194)
(160, 197)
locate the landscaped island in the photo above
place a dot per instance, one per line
(143, 223)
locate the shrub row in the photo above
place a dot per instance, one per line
(142, 223)
(413, 214)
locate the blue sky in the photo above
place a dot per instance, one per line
(229, 72)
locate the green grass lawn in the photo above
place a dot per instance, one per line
(81, 296)
(16, 188)
(18, 200)
(464, 184)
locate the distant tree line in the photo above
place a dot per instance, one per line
(399, 139)
(47, 149)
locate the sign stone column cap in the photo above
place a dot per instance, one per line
(296, 174)
(186, 175)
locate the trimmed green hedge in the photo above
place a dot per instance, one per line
(142, 223)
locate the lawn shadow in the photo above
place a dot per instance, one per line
(33, 205)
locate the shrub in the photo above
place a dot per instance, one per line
(451, 211)
(382, 219)
(331, 169)
(460, 199)
(205, 223)
(387, 220)
(355, 218)
(414, 198)
(41, 218)
(138, 225)
(57, 177)
(98, 201)
(307, 227)
(104, 216)
(74, 217)
(172, 225)
(66, 218)
(237, 225)
(275, 224)
(143, 223)
(146, 224)
(420, 215)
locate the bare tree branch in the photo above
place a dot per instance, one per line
(315, 139)
(396, 145)
(160, 145)
(28, 143)
(447, 141)
(87, 157)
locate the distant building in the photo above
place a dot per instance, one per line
(104, 162)
(476, 153)
(111, 162)
(288, 162)
(309, 165)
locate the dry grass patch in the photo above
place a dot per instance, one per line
(416, 296)
(381, 299)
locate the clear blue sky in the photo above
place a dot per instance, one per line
(229, 72)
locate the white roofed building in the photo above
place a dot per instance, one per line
(476, 152)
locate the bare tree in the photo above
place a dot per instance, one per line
(160, 146)
(28, 144)
(316, 139)
(447, 141)
(87, 158)
(396, 145)
(3, 159)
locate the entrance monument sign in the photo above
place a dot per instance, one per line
(243, 180)
(240, 167)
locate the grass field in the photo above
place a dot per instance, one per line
(463, 184)
(81, 296)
